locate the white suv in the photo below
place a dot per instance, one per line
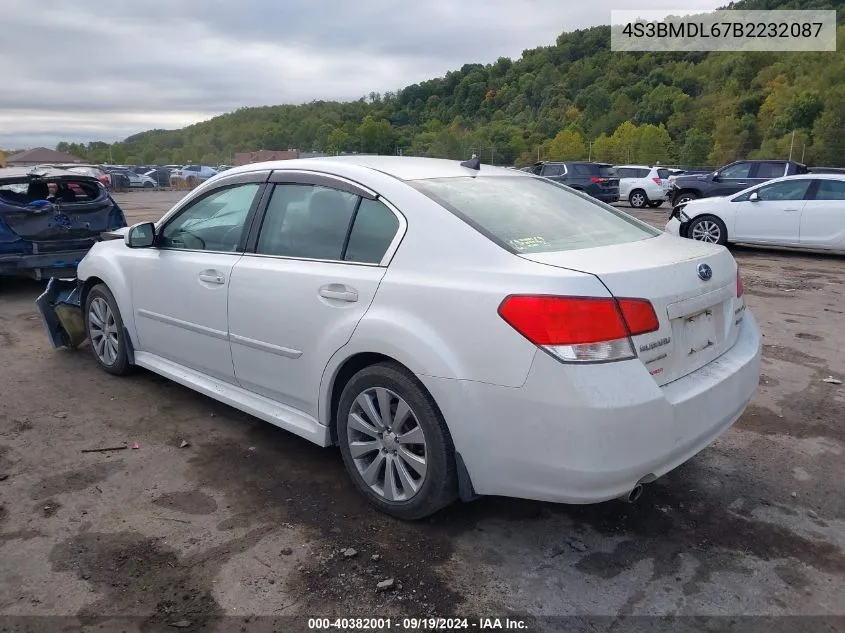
(643, 186)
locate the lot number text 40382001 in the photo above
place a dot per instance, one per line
(415, 624)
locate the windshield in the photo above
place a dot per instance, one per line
(533, 215)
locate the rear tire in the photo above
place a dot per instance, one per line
(708, 228)
(402, 463)
(148, 185)
(104, 327)
(638, 199)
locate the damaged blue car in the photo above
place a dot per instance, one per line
(49, 218)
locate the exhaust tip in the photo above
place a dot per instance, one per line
(635, 494)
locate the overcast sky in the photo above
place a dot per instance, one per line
(105, 69)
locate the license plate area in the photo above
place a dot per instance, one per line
(700, 331)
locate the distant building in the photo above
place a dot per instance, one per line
(262, 155)
(40, 156)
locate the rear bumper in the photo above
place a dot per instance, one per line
(46, 263)
(571, 435)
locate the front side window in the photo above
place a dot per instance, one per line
(830, 190)
(736, 171)
(784, 190)
(212, 223)
(306, 221)
(531, 215)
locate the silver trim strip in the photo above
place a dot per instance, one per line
(265, 347)
(185, 325)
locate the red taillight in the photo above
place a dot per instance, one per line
(740, 287)
(596, 179)
(580, 328)
(639, 315)
(657, 181)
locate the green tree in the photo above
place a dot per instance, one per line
(695, 150)
(567, 145)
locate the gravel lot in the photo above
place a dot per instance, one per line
(249, 520)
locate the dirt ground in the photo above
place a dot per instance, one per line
(248, 520)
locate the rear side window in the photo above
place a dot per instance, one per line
(374, 228)
(624, 172)
(663, 173)
(306, 221)
(552, 170)
(770, 170)
(830, 190)
(531, 215)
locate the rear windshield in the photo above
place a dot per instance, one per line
(533, 215)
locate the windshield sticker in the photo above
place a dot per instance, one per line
(526, 243)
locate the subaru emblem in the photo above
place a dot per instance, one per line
(704, 272)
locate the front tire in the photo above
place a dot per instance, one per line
(105, 330)
(395, 444)
(638, 199)
(684, 197)
(708, 228)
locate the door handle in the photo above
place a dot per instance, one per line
(742, 183)
(791, 210)
(339, 292)
(212, 277)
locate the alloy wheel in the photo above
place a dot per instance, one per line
(706, 231)
(638, 200)
(387, 444)
(102, 331)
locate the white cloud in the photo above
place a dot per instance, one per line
(105, 69)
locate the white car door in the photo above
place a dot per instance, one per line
(180, 285)
(296, 300)
(823, 219)
(774, 217)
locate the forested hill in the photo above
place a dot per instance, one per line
(573, 99)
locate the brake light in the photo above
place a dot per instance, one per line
(580, 329)
(740, 287)
(596, 179)
(658, 181)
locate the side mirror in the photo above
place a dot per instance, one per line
(754, 197)
(715, 177)
(141, 235)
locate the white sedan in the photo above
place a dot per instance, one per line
(457, 329)
(806, 211)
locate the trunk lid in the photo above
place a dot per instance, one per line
(698, 317)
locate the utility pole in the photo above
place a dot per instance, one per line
(790, 144)
(492, 153)
(590, 157)
(803, 148)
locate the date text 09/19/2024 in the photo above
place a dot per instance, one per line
(415, 624)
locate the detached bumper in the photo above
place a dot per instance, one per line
(61, 312)
(42, 264)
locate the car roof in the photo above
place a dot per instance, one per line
(819, 175)
(638, 166)
(401, 167)
(22, 174)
